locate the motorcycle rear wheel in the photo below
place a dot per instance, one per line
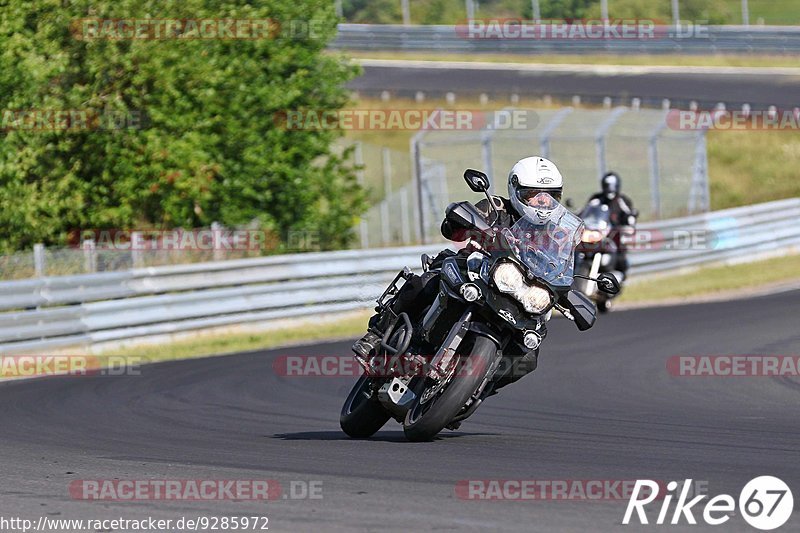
(425, 421)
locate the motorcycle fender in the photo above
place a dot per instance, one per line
(582, 309)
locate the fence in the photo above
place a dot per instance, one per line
(446, 39)
(109, 253)
(664, 171)
(45, 313)
(390, 221)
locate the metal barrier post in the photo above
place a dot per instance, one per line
(386, 168)
(486, 156)
(655, 169)
(600, 137)
(547, 131)
(216, 234)
(136, 253)
(404, 219)
(699, 197)
(38, 259)
(89, 256)
(416, 165)
(358, 156)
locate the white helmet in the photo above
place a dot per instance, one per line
(529, 178)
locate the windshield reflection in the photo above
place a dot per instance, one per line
(544, 240)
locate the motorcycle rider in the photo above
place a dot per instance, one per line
(622, 214)
(527, 179)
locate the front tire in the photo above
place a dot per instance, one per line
(362, 416)
(425, 421)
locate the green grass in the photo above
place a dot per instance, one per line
(748, 167)
(351, 326)
(714, 280)
(718, 60)
(779, 12)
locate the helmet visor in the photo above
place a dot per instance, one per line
(528, 196)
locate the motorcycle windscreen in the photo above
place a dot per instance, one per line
(544, 240)
(596, 216)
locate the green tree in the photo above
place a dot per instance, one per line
(198, 140)
(565, 9)
(372, 11)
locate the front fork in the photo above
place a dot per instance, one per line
(591, 286)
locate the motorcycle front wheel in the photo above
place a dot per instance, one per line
(362, 416)
(427, 418)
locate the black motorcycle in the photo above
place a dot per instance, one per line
(597, 253)
(484, 327)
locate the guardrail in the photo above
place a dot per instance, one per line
(51, 312)
(445, 38)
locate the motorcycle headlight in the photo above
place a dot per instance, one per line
(509, 279)
(535, 299)
(591, 236)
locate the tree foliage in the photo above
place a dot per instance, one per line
(198, 140)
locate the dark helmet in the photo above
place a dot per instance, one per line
(611, 184)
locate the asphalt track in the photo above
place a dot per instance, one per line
(708, 87)
(601, 406)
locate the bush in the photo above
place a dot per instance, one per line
(196, 140)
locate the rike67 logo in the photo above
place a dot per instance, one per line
(765, 503)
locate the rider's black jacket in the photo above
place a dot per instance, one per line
(622, 215)
(622, 211)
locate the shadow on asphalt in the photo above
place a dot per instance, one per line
(381, 436)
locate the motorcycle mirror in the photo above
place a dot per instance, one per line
(465, 216)
(582, 310)
(477, 180)
(608, 284)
